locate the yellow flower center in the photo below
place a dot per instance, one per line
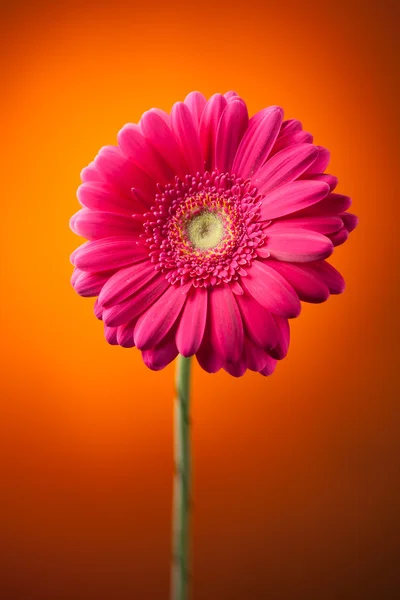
(205, 230)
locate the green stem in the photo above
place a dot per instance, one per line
(181, 508)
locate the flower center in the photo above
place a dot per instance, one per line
(205, 230)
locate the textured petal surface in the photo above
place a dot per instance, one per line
(88, 284)
(226, 327)
(192, 323)
(258, 322)
(282, 346)
(186, 133)
(232, 125)
(156, 130)
(308, 286)
(161, 355)
(103, 196)
(126, 282)
(328, 224)
(329, 275)
(271, 290)
(286, 166)
(291, 198)
(297, 245)
(108, 253)
(93, 224)
(195, 101)
(208, 128)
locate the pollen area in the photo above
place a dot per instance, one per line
(205, 230)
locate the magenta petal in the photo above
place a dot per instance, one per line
(103, 196)
(108, 253)
(350, 221)
(328, 224)
(329, 275)
(192, 323)
(161, 137)
(291, 138)
(286, 166)
(331, 180)
(135, 147)
(308, 286)
(136, 304)
(297, 245)
(208, 128)
(125, 335)
(257, 143)
(156, 322)
(226, 327)
(90, 173)
(269, 366)
(282, 346)
(258, 322)
(186, 133)
(89, 284)
(111, 335)
(207, 357)
(271, 290)
(290, 126)
(98, 310)
(161, 355)
(232, 125)
(333, 204)
(339, 237)
(94, 225)
(195, 101)
(256, 357)
(126, 282)
(230, 95)
(292, 197)
(321, 162)
(237, 368)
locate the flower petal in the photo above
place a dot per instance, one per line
(195, 101)
(291, 138)
(108, 253)
(329, 275)
(258, 322)
(188, 139)
(339, 237)
(308, 286)
(162, 139)
(291, 198)
(156, 322)
(237, 368)
(284, 167)
(297, 245)
(161, 355)
(282, 346)
(111, 335)
(94, 225)
(256, 357)
(321, 163)
(333, 204)
(271, 290)
(331, 180)
(231, 128)
(320, 224)
(257, 143)
(125, 334)
(226, 327)
(208, 358)
(126, 282)
(269, 367)
(89, 284)
(192, 323)
(350, 221)
(103, 196)
(208, 128)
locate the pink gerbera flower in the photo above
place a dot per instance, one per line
(206, 229)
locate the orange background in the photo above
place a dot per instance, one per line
(296, 476)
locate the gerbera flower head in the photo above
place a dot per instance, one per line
(206, 229)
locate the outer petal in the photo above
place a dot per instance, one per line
(286, 166)
(290, 138)
(89, 284)
(208, 127)
(94, 225)
(186, 133)
(297, 245)
(271, 290)
(192, 323)
(256, 357)
(125, 335)
(329, 275)
(339, 237)
(156, 130)
(238, 368)
(195, 101)
(350, 221)
(108, 253)
(155, 323)
(103, 196)
(208, 358)
(161, 355)
(333, 204)
(321, 163)
(231, 128)
(282, 346)
(111, 335)
(226, 327)
(320, 224)
(269, 367)
(258, 322)
(308, 286)
(126, 282)
(257, 143)
(291, 198)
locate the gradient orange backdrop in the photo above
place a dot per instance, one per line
(296, 476)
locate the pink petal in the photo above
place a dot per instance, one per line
(329, 275)
(271, 290)
(108, 253)
(226, 327)
(125, 335)
(290, 126)
(282, 346)
(98, 310)
(103, 196)
(192, 323)
(257, 143)
(208, 358)
(292, 197)
(161, 355)
(188, 139)
(111, 335)
(269, 367)
(321, 163)
(195, 101)
(126, 282)
(155, 323)
(319, 224)
(125, 311)
(256, 357)
(162, 139)
(350, 221)
(90, 173)
(258, 322)
(333, 204)
(135, 147)
(331, 180)
(297, 245)
(290, 138)
(89, 284)
(94, 225)
(208, 128)
(308, 286)
(231, 128)
(339, 237)
(236, 369)
(286, 166)
(230, 95)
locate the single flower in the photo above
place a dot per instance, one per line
(206, 229)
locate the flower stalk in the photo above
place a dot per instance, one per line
(181, 498)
